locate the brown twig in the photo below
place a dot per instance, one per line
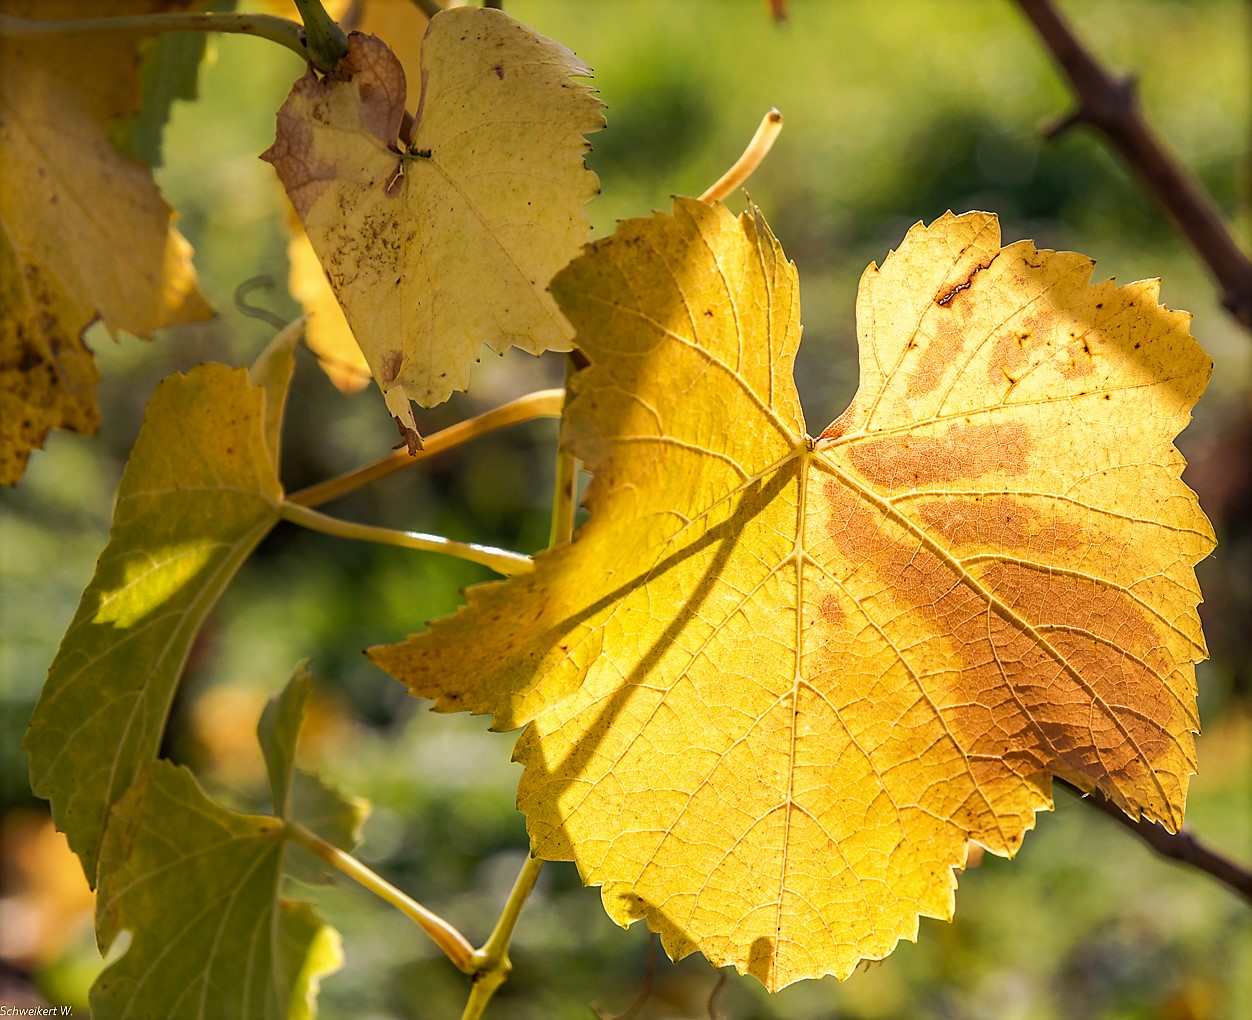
(1182, 846)
(645, 989)
(712, 1007)
(1111, 105)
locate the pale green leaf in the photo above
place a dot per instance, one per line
(199, 492)
(197, 887)
(278, 731)
(169, 70)
(301, 796)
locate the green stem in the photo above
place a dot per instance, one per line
(564, 503)
(428, 7)
(263, 26)
(502, 561)
(327, 45)
(492, 964)
(446, 937)
(541, 404)
(563, 512)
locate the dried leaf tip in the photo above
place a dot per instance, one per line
(743, 168)
(401, 409)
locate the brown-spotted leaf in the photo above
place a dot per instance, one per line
(439, 246)
(401, 25)
(775, 687)
(327, 333)
(84, 233)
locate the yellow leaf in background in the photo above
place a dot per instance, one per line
(84, 233)
(451, 243)
(327, 333)
(48, 375)
(400, 24)
(46, 901)
(776, 686)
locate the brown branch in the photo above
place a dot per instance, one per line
(1111, 105)
(721, 983)
(1182, 846)
(645, 989)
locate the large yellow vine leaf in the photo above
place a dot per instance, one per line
(775, 686)
(84, 233)
(450, 243)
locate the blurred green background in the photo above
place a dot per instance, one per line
(894, 112)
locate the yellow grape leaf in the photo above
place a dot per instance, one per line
(84, 233)
(775, 686)
(449, 243)
(400, 24)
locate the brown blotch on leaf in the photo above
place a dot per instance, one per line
(998, 521)
(1110, 644)
(1080, 360)
(390, 365)
(839, 426)
(831, 611)
(939, 354)
(964, 451)
(1049, 672)
(1015, 348)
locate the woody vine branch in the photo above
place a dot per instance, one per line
(1110, 104)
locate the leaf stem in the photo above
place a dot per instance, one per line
(492, 960)
(492, 964)
(428, 7)
(455, 945)
(541, 404)
(766, 134)
(564, 502)
(502, 561)
(1182, 846)
(264, 26)
(325, 41)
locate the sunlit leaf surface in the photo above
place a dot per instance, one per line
(777, 685)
